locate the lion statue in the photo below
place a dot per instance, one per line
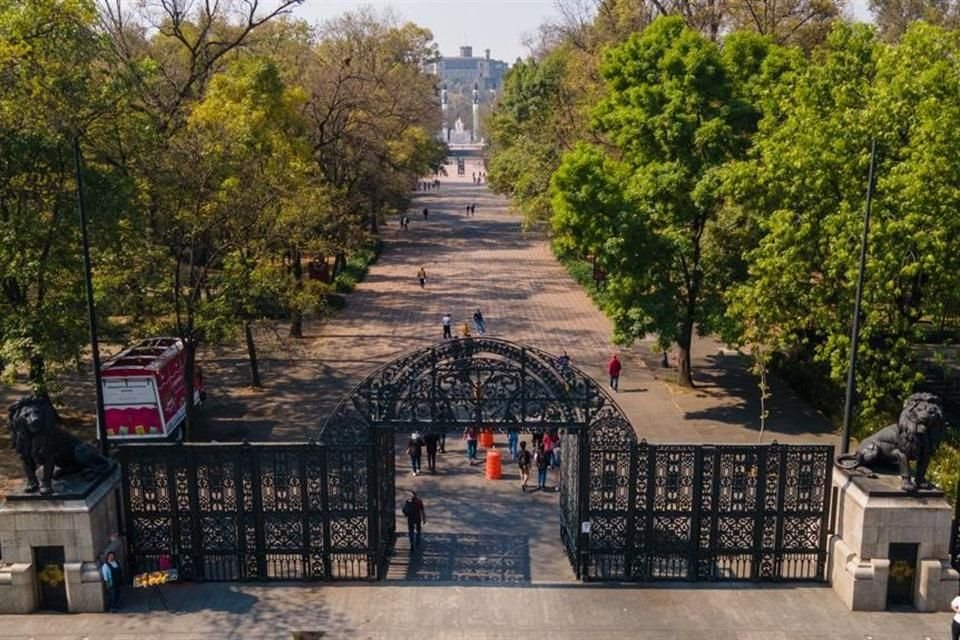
(915, 436)
(41, 443)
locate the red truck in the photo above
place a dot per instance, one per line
(144, 392)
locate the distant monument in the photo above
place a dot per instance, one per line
(458, 135)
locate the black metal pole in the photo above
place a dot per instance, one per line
(855, 331)
(91, 310)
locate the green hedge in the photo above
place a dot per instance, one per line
(580, 270)
(356, 267)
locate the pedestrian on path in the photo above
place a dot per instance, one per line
(425, 213)
(513, 436)
(479, 322)
(542, 461)
(445, 322)
(613, 368)
(554, 437)
(473, 209)
(422, 277)
(465, 330)
(431, 440)
(471, 435)
(414, 450)
(955, 625)
(468, 210)
(548, 449)
(523, 461)
(416, 515)
(112, 575)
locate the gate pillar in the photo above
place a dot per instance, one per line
(78, 526)
(890, 547)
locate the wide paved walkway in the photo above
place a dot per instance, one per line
(486, 262)
(451, 611)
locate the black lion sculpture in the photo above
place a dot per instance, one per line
(41, 443)
(915, 436)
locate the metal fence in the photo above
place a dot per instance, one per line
(251, 511)
(702, 512)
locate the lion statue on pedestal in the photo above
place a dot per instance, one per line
(915, 436)
(40, 443)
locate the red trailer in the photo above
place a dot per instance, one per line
(144, 392)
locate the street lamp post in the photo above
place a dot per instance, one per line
(855, 330)
(91, 310)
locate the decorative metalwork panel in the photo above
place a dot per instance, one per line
(248, 512)
(570, 455)
(701, 512)
(474, 381)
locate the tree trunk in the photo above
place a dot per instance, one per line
(252, 353)
(374, 226)
(38, 374)
(684, 340)
(190, 425)
(296, 313)
(339, 262)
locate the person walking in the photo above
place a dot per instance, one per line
(471, 435)
(548, 449)
(479, 322)
(414, 450)
(473, 209)
(465, 330)
(513, 436)
(416, 515)
(523, 461)
(430, 441)
(554, 436)
(422, 277)
(112, 574)
(445, 322)
(542, 461)
(468, 210)
(613, 368)
(425, 213)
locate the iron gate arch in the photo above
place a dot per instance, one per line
(483, 382)
(629, 510)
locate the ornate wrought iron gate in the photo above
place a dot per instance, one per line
(703, 512)
(250, 512)
(628, 511)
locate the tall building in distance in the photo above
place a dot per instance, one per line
(468, 87)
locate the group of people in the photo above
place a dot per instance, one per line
(432, 442)
(428, 185)
(471, 209)
(478, 178)
(545, 455)
(446, 322)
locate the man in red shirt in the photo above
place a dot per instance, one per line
(613, 368)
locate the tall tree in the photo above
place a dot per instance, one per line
(809, 178)
(673, 118)
(54, 89)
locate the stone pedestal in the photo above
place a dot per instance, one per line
(870, 515)
(82, 520)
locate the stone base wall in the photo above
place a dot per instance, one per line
(867, 523)
(85, 528)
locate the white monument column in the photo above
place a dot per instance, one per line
(475, 132)
(444, 103)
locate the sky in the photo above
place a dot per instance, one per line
(498, 25)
